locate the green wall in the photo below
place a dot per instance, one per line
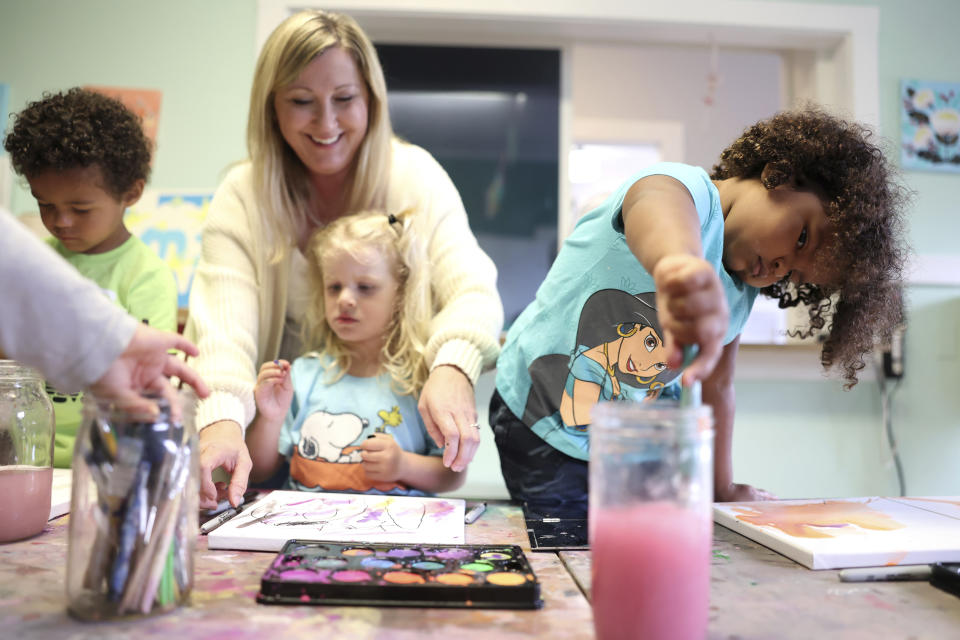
(813, 439)
(794, 438)
(200, 54)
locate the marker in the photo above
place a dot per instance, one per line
(886, 574)
(222, 506)
(471, 516)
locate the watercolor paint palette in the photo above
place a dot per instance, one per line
(401, 575)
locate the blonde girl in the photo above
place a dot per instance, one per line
(344, 415)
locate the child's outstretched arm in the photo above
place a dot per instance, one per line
(385, 461)
(662, 229)
(718, 392)
(273, 394)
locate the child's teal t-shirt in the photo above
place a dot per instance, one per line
(327, 423)
(592, 332)
(139, 282)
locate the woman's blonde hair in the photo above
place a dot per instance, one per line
(406, 336)
(281, 181)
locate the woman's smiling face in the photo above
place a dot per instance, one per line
(323, 113)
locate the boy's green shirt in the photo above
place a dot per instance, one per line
(138, 281)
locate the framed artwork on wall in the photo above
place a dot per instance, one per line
(930, 125)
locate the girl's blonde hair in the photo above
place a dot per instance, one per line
(281, 183)
(406, 336)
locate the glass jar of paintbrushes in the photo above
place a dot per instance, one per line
(26, 452)
(133, 517)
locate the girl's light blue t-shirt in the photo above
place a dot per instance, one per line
(598, 302)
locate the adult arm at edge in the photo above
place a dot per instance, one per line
(59, 322)
(62, 314)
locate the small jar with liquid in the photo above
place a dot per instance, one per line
(133, 514)
(26, 451)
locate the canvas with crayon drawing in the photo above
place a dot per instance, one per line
(345, 517)
(851, 532)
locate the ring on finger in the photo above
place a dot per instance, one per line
(475, 425)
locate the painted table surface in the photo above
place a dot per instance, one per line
(758, 593)
(755, 593)
(33, 599)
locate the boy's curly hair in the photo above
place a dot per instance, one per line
(836, 160)
(78, 129)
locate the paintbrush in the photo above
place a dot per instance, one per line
(151, 560)
(140, 467)
(689, 394)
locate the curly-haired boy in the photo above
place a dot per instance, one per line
(86, 159)
(802, 207)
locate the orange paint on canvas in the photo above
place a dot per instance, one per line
(817, 520)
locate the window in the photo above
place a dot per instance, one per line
(490, 117)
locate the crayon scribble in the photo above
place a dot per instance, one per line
(335, 515)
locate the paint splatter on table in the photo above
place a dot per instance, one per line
(33, 599)
(758, 593)
(755, 593)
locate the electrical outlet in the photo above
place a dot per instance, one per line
(893, 359)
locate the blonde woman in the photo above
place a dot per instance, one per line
(345, 414)
(321, 147)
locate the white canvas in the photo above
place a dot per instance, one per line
(60, 492)
(851, 532)
(341, 517)
(946, 506)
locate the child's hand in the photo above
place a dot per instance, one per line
(692, 309)
(742, 493)
(274, 390)
(382, 458)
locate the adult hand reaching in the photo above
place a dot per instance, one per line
(449, 412)
(146, 366)
(221, 445)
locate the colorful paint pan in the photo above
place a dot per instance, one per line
(401, 575)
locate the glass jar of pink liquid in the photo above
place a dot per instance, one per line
(26, 452)
(650, 521)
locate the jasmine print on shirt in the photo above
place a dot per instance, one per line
(618, 355)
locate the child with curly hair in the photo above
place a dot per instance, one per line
(803, 207)
(86, 159)
(345, 415)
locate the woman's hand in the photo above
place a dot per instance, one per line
(274, 390)
(449, 412)
(692, 310)
(382, 458)
(221, 445)
(736, 492)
